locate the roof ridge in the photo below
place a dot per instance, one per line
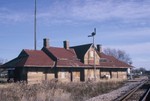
(30, 50)
(81, 45)
(55, 47)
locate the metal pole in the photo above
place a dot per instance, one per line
(35, 27)
(92, 35)
(94, 55)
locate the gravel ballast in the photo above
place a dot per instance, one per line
(111, 96)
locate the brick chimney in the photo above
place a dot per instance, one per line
(46, 42)
(66, 44)
(99, 48)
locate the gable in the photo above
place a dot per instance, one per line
(81, 50)
(89, 56)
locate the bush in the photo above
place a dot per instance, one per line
(56, 91)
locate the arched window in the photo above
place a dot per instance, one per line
(91, 54)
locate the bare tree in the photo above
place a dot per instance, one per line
(139, 70)
(119, 54)
(2, 61)
(142, 69)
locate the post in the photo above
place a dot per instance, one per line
(94, 55)
(35, 27)
(92, 35)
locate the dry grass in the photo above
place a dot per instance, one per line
(57, 91)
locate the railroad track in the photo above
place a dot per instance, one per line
(146, 96)
(139, 93)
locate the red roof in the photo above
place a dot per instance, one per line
(30, 58)
(59, 57)
(62, 53)
(112, 62)
(65, 57)
(38, 58)
(69, 63)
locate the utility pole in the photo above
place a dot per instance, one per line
(92, 35)
(35, 26)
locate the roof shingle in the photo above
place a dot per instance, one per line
(65, 57)
(62, 53)
(112, 62)
(30, 58)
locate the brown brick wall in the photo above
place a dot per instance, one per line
(122, 75)
(104, 73)
(39, 76)
(64, 76)
(89, 74)
(89, 57)
(114, 74)
(35, 76)
(76, 76)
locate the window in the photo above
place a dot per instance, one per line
(91, 53)
(103, 60)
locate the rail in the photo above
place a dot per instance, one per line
(145, 95)
(131, 92)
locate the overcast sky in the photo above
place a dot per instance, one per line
(120, 24)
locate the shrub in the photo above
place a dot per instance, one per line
(57, 91)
